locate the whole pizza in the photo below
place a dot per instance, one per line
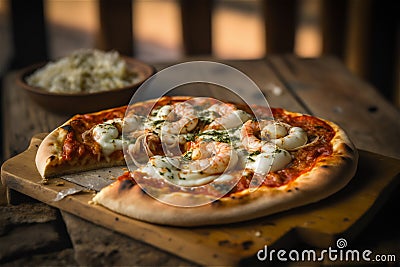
(200, 161)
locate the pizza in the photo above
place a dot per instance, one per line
(84, 142)
(201, 161)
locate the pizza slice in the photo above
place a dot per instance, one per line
(84, 142)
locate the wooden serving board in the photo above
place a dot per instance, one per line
(341, 215)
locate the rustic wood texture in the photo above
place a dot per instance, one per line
(23, 117)
(330, 91)
(343, 214)
(113, 249)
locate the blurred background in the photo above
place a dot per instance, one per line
(237, 32)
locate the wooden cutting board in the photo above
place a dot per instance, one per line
(341, 215)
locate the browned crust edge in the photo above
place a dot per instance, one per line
(48, 153)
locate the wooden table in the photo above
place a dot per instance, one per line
(322, 87)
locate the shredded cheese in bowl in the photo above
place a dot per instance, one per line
(84, 71)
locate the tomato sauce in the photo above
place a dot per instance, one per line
(73, 146)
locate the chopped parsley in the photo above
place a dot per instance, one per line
(251, 159)
(214, 135)
(157, 122)
(207, 116)
(190, 137)
(251, 155)
(187, 155)
(255, 153)
(206, 120)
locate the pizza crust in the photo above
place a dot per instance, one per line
(329, 175)
(49, 152)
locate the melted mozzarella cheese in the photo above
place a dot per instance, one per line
(108, 137)
(133, 123)
(236, 119)
(269, 161)
(168, 169)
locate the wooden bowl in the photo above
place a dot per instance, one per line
(84, 102)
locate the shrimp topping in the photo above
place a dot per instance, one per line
(210, 158)
(268, 142)
(200, 165)
(255, 134)
(270, 158)
(230, 117)
(181, 118)
(146, 145)
(171, 144)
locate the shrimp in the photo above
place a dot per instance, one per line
(230, 117)
(271, 158)
(209, 158)
(249, 133)
(180, 119)
(164, 111)
(283, 135)
(266, 156)
(172, 144)
(201, 165)
(255, 134)
(146, 145)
